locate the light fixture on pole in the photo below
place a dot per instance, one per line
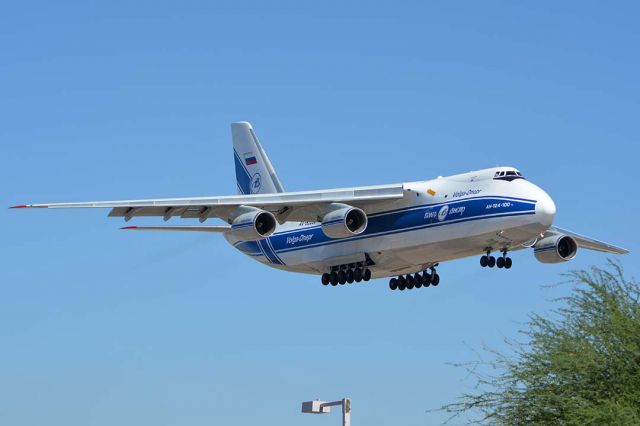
(322, 407)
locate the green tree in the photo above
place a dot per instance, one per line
(580, 365)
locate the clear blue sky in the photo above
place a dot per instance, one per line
(109, 100)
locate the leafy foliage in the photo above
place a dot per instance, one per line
(580, 365)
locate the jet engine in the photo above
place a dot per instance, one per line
(344, 221)
(555, 249)
(253, 224)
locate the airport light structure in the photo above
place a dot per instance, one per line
(323, 407)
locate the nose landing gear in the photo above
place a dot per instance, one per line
(504, 261)
(501, 262)
(488, 260)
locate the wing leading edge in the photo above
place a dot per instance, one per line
(286, 206)
(588, 243)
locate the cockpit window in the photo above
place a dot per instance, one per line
(507, 175)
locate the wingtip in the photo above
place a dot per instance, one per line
(129, 227)
(20, 206)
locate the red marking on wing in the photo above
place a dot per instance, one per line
(22, 206)
(129, 227)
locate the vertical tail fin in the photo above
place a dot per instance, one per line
(254, 172)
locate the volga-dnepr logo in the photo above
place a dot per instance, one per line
(442, 214)
(256, 183)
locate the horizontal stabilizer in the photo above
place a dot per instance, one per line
(179, 228)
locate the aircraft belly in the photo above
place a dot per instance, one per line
(420, 247)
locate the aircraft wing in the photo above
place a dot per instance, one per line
(586, 242)
(219, 229)
(303, 206)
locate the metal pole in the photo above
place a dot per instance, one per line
(346, 412)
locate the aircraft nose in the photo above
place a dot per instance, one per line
(545, 208)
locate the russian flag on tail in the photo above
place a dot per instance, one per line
(250, 159)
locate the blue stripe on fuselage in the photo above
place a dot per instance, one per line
(395, 221)
(269, 252)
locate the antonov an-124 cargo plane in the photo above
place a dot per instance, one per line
(402, 231)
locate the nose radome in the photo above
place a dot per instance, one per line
(545, 208)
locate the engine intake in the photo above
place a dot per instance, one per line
(555, 249)
(344, 221)
(253, 224)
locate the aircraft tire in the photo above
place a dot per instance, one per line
(326, 279)
(410, 282)
(484, 261)
(350, 276)
(334, 278)
(402, 283)
(342, 277)
(366, 276)
(508, 262)
(357, 275)
(393, 283)
(500, 262)
(426, 279)
(435, 280)
(492, 261)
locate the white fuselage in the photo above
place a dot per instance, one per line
(437, 220)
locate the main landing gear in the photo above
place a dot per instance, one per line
(501, 262)
(416, 280)
(353, 272)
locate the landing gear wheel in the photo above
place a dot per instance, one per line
(500, 262)
(402, 283)
(342, 277)
(418, 280)
(492, 261)
(508, 263)
(410, 282)
(393, 283)
(357, 275)
(435, 279)
(426, 279)
(334, 278)
(367, 275)
(326, 278)
(350, 276)
(484, 261)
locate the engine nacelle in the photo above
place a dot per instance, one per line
(253, 224)
(344, 221)
(555, 249)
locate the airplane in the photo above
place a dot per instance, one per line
(402, 231)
